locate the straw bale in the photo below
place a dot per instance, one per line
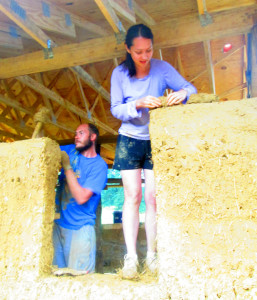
(205, 166)
(28, 175)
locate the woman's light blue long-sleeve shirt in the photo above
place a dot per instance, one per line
(125, 90)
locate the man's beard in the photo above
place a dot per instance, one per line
(85, 147)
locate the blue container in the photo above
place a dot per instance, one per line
(117, 217)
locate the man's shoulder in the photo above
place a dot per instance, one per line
(94, 161)
(101, 161)
(68, 148)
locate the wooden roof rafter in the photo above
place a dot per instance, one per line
(12, 95)
(61, 101)
(30, 111)
(143, 15)
(125, 9)
(224, 24)
(110, 15)
(24, 22)
(82, 22)
(209, 65)
(26, 131)
(88, 79)
(13, 136)
(47, 102)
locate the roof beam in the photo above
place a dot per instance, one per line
(23, 21)
(88, 79)
(217, 6)
(11, 135)
(15, 104)
(167, 34)
(179, 63)
(9, 41)
(38, 87)
(110, 15)
(82, 22)
(209, 65)
(125, 9)
(17, 126)
(13, 29)
(49, 17)
(143, 15)
(85, 24)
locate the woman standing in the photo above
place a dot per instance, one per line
(135, 85)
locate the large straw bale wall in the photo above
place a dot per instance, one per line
(205, 163)
(28, 174)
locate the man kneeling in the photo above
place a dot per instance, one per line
(81, 181)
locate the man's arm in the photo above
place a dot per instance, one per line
(80, 194)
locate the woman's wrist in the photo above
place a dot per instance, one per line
(138, 104)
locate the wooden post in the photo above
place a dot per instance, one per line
(254, 62)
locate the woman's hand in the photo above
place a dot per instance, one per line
(176, 97)
(148, 102)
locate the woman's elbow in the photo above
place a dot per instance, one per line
(116, 113)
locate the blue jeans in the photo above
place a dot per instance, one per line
(75, 249)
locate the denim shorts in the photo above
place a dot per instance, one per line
(132, 154)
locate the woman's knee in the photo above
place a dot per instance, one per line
(133, 197)
(150, 199)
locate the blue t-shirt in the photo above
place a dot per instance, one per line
(91, 173)
(125, 90)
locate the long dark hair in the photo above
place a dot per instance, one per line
(139, 30)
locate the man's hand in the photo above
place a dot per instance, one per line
(65, 161)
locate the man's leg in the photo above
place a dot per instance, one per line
(61, 243)
(83, 249)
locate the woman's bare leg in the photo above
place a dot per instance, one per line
(130, 217)
(150, 213)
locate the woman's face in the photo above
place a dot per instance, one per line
(141, 51)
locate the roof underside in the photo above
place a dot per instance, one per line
(72, 76)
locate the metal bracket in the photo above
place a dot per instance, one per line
(120, 37)
(205, 19)
(48, 52)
